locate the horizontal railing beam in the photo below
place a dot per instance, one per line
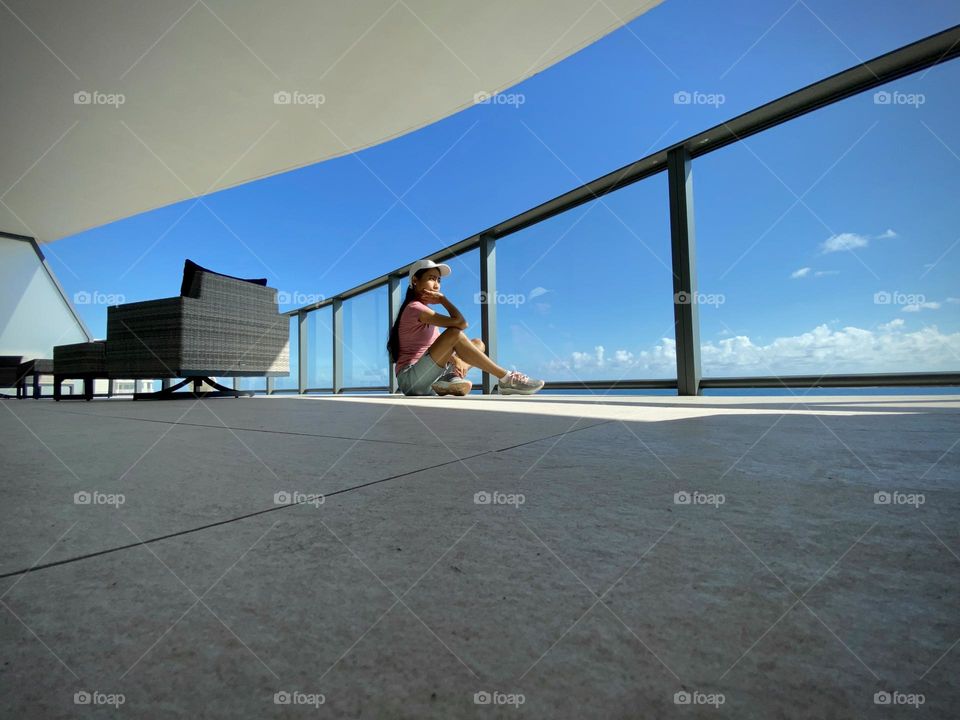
(909, 59)
(448, 253)
(852, 380)
(881, 70)
(666, 384)
(920, 379)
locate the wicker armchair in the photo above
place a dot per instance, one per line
(219, 326)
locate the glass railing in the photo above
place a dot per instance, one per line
(820, 255)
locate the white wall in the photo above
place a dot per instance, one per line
(34, 315)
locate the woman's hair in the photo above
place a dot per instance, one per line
(393, 343)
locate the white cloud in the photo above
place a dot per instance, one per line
(584, 359)
(851, 241)
(917, 307)
(536, 292)
(843, 241)
(889, 348)
(805, 272)
(663, 355)
(953, 300)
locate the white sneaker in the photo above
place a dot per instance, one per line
(516, 383)
(453, 385)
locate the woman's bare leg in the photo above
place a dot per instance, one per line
(472, 355)
(463, 367)
(443, 346)
(451, 340)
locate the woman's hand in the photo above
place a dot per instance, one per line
(431, 297)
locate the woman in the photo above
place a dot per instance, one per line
(428, 361)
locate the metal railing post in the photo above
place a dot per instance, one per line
(337, 345)
(394, 300)
(488, 305)
(683, 251)
(303, 352)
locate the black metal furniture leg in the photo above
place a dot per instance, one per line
(167, 393)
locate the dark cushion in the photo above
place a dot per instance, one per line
(9, 369)
(190, 269)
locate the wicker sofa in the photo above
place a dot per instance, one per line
(219, 326)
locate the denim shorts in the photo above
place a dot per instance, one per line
(417, 378)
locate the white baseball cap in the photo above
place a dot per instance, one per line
(422, 264)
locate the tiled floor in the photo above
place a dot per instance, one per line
(586, 587)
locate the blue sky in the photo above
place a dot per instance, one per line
(788, 285)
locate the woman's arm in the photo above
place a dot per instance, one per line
(429, 317)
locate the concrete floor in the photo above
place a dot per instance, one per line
(400, 596)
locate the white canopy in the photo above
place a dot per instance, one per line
(115, 107)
